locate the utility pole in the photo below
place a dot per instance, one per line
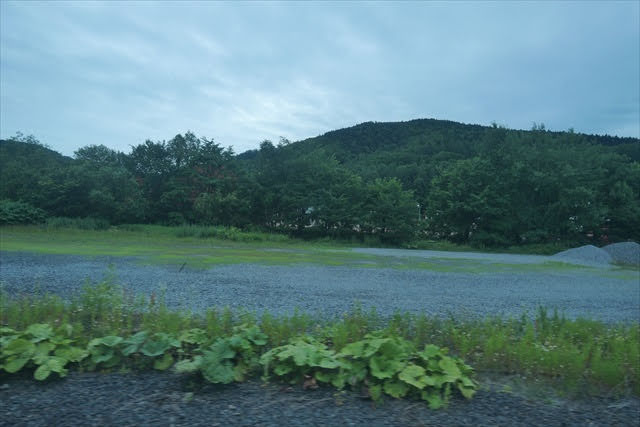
(418, 211)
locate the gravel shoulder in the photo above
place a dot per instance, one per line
(163, 399)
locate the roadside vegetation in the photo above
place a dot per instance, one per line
(104, 328)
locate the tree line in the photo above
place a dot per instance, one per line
(423, 179)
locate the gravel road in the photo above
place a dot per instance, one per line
(330, 291)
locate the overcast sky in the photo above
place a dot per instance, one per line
(112, 73)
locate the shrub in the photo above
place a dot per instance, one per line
(12, 212)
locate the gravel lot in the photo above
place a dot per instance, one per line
(330, 291)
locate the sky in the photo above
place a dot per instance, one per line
(119, 73)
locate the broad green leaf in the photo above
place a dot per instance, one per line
(467, 392)
(282, 369)
(152, 348)
(42, 351)
(56, 364)
(298, 351)
(132, 344)
(450, 369)
(429, 352)
(39, 331)
(194, 336)
(42, 372)
(324, 376)
(109, 341)
(16, 363)
(220, 350)
(72, 354)
(4, 330)
(236, 341)
(414, 375)
(168, 339)
(396, 389)
(355, 349)
(187, 366)
(19, 346)
(382, 367)
(163, 363)
(434, 399)
(218, 372)
(375, 391)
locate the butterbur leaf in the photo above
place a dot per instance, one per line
(355, 349)
(396, 389)
(4, 330)
(282, 369)
(188, 366)
(429, 352)
(39, 331)
(42, 351)
(218, 372)
(382, 367)
(220, 350)
(467, 392)
(414, 375)
(433, 398)
(194, 336)
(375, 392)
(168, 339)
(152, 348)
(13, 365)
(109, 341)
(450, 368)
(324, 376)
(133, 343)
(42, 372)
(163, 363)
(19, 346)
(72, 354)
(236, 341)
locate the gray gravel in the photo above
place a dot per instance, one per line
(331, 291)
(624, 253)
(585, 255)
(162, 399)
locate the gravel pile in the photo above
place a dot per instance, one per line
(163, 399)
(624, 253)
(585, 255)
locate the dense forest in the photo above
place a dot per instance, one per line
(399, 182)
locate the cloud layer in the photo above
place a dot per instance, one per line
(116, 74)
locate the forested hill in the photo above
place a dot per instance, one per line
(484, 185)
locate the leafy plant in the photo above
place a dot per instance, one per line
(39, 346)
(228, 359)
(303, 358)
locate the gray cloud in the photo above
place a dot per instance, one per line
(116, 74)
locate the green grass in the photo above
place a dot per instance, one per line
(577, 356)
(206, 247)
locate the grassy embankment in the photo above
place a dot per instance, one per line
(572, 354)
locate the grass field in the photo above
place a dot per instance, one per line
(205, 247)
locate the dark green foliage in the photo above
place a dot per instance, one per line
(393, 183)
(20, 213)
